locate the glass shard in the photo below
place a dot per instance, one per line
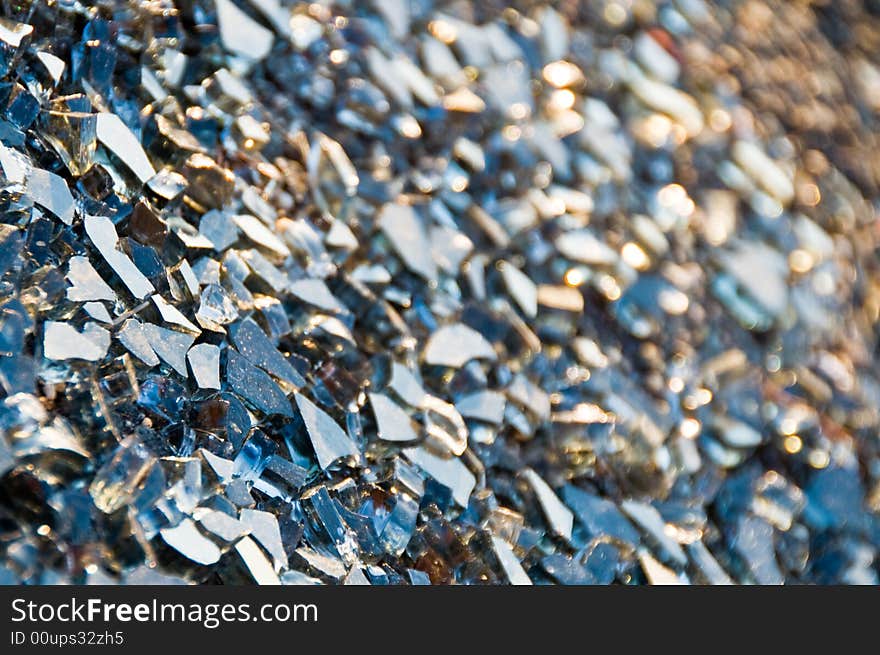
(329, 441)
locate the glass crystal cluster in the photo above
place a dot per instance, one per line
(411, 292)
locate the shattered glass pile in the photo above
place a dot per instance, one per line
(402, 292)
